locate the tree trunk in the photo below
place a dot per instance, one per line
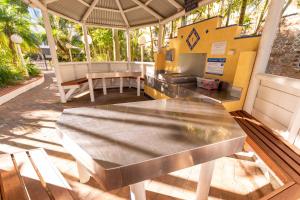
(286, 6)
(208, 11)
(116, 44)
(261, 17)
(183, 22)
(228, 12)
(242, 12)
(221, 8)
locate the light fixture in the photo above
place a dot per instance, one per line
(89, 39)
(15, 38)
(142, 40)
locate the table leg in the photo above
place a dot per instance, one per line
(91, 88)
(137, 191)
(84, 175)
(206, 172)
(104, 86)
(138, 87)
(129, 82)
(121, 84)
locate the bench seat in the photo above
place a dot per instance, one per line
(279, 156)
(31, 175)
(75, 82)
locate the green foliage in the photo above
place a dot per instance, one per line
(33, 70)
(9, 76)
(14, 19)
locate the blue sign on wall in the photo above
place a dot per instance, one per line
(216, 60)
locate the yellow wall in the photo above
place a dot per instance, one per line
(214, 34)
(242, 79)
(238, 66)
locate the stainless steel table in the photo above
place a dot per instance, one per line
(125, 144)
(103, 75)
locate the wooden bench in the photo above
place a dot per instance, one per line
(278, 155)
(30, 175)
(72, 86)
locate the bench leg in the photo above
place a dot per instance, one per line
(206, 172)
(104, 86)
(84, 175)
(138, 87)
(121, 84)
(69, 93)
(137, 191)
(91, 88)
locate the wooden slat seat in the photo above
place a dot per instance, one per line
(276, 153)
(30, 175)
(75, 82)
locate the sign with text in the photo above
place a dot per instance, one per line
(218, 48)
(215, 66)
(190, 5)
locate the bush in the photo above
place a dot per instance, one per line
(33, 70)
(9, 76)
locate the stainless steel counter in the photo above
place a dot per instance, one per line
(191, 90)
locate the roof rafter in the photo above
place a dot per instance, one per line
(132, 9)
(122, 12)
(90, 9)
(106, 9)
(149, 10)
(49, 1)
(84, 3)
(176, 4)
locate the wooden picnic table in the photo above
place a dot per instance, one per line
(103, 75)
(126, 144)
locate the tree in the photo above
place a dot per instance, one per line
(242, 12)
(261, 16)
(15, 19)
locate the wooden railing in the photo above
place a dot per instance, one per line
(277, 105)
(75, 70)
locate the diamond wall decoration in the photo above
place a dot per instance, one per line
(192, 39)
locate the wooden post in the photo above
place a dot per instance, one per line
(51, 44)
(128, 49)
(267, 39)
(160, 35)
(87, 46)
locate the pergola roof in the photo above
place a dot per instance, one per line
(121, 14)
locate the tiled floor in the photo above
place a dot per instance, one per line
(28, 122)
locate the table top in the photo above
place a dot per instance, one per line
(122, 144)
(112, 74)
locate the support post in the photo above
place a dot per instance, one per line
(264, 50)
(142, 60)
(51, 44)
(86, 45)
(128, 49)
(160, 35)
(116, 45)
